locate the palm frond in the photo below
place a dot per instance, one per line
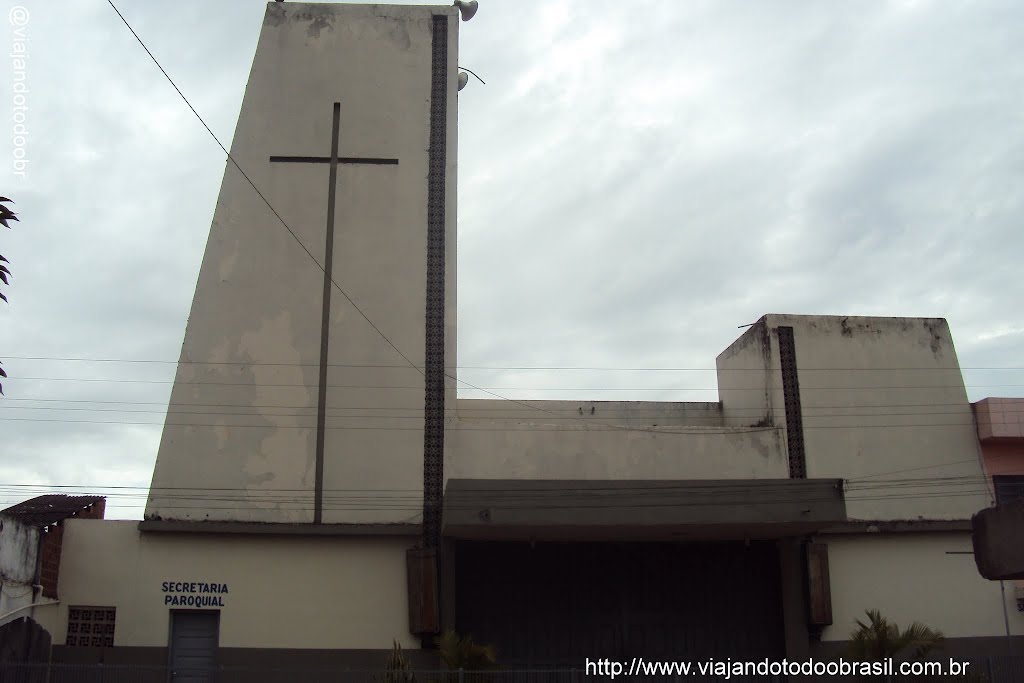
(921, 638)
(880, 639)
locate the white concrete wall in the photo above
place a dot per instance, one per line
(930, 578)
(595, 413)
(257, 307)
(283, 592)
(19, 548)
(885, 407)
(510, 449)
(747, 383)
(492, 439)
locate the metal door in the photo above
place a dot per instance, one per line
(194, 640)
(558, 604)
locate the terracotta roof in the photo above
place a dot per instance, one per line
(49, 509)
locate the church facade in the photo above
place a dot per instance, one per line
(321, 492)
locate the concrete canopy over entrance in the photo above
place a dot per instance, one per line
(640, 510)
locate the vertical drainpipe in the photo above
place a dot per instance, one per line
(36, 584)
(37, 574)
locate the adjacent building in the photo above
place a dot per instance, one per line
(1001, 434)
(31, 548)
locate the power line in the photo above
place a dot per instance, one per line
(608, 427)
(371, 499)
(684, 405)
(782, 485)
(392, 499)
(418, 413)
(562, 503)
(383, 336)
(308, 253)
(723, 498)
(707, 486)
(559, 499)
(257, 190)
(499, 367)
(215, 384)
(288, 228)
(278, 215)
(915, 469)
(521, 388)
(529, 428)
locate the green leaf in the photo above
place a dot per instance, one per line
(879, 639)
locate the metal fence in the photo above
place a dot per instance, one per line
(96, 673)
(1006, 669)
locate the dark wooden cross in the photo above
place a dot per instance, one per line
(325, 320)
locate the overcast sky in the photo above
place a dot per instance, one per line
(636, 180)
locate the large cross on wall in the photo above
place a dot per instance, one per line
(325, 321)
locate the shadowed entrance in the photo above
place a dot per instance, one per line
(557, 604)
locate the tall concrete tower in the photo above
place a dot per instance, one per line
(293, 402)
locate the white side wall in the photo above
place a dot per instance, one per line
(283, 592)
(930, 578)
(19, 548)
(490, 439)
(507, 449)
(747, 380)
(885, 408)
